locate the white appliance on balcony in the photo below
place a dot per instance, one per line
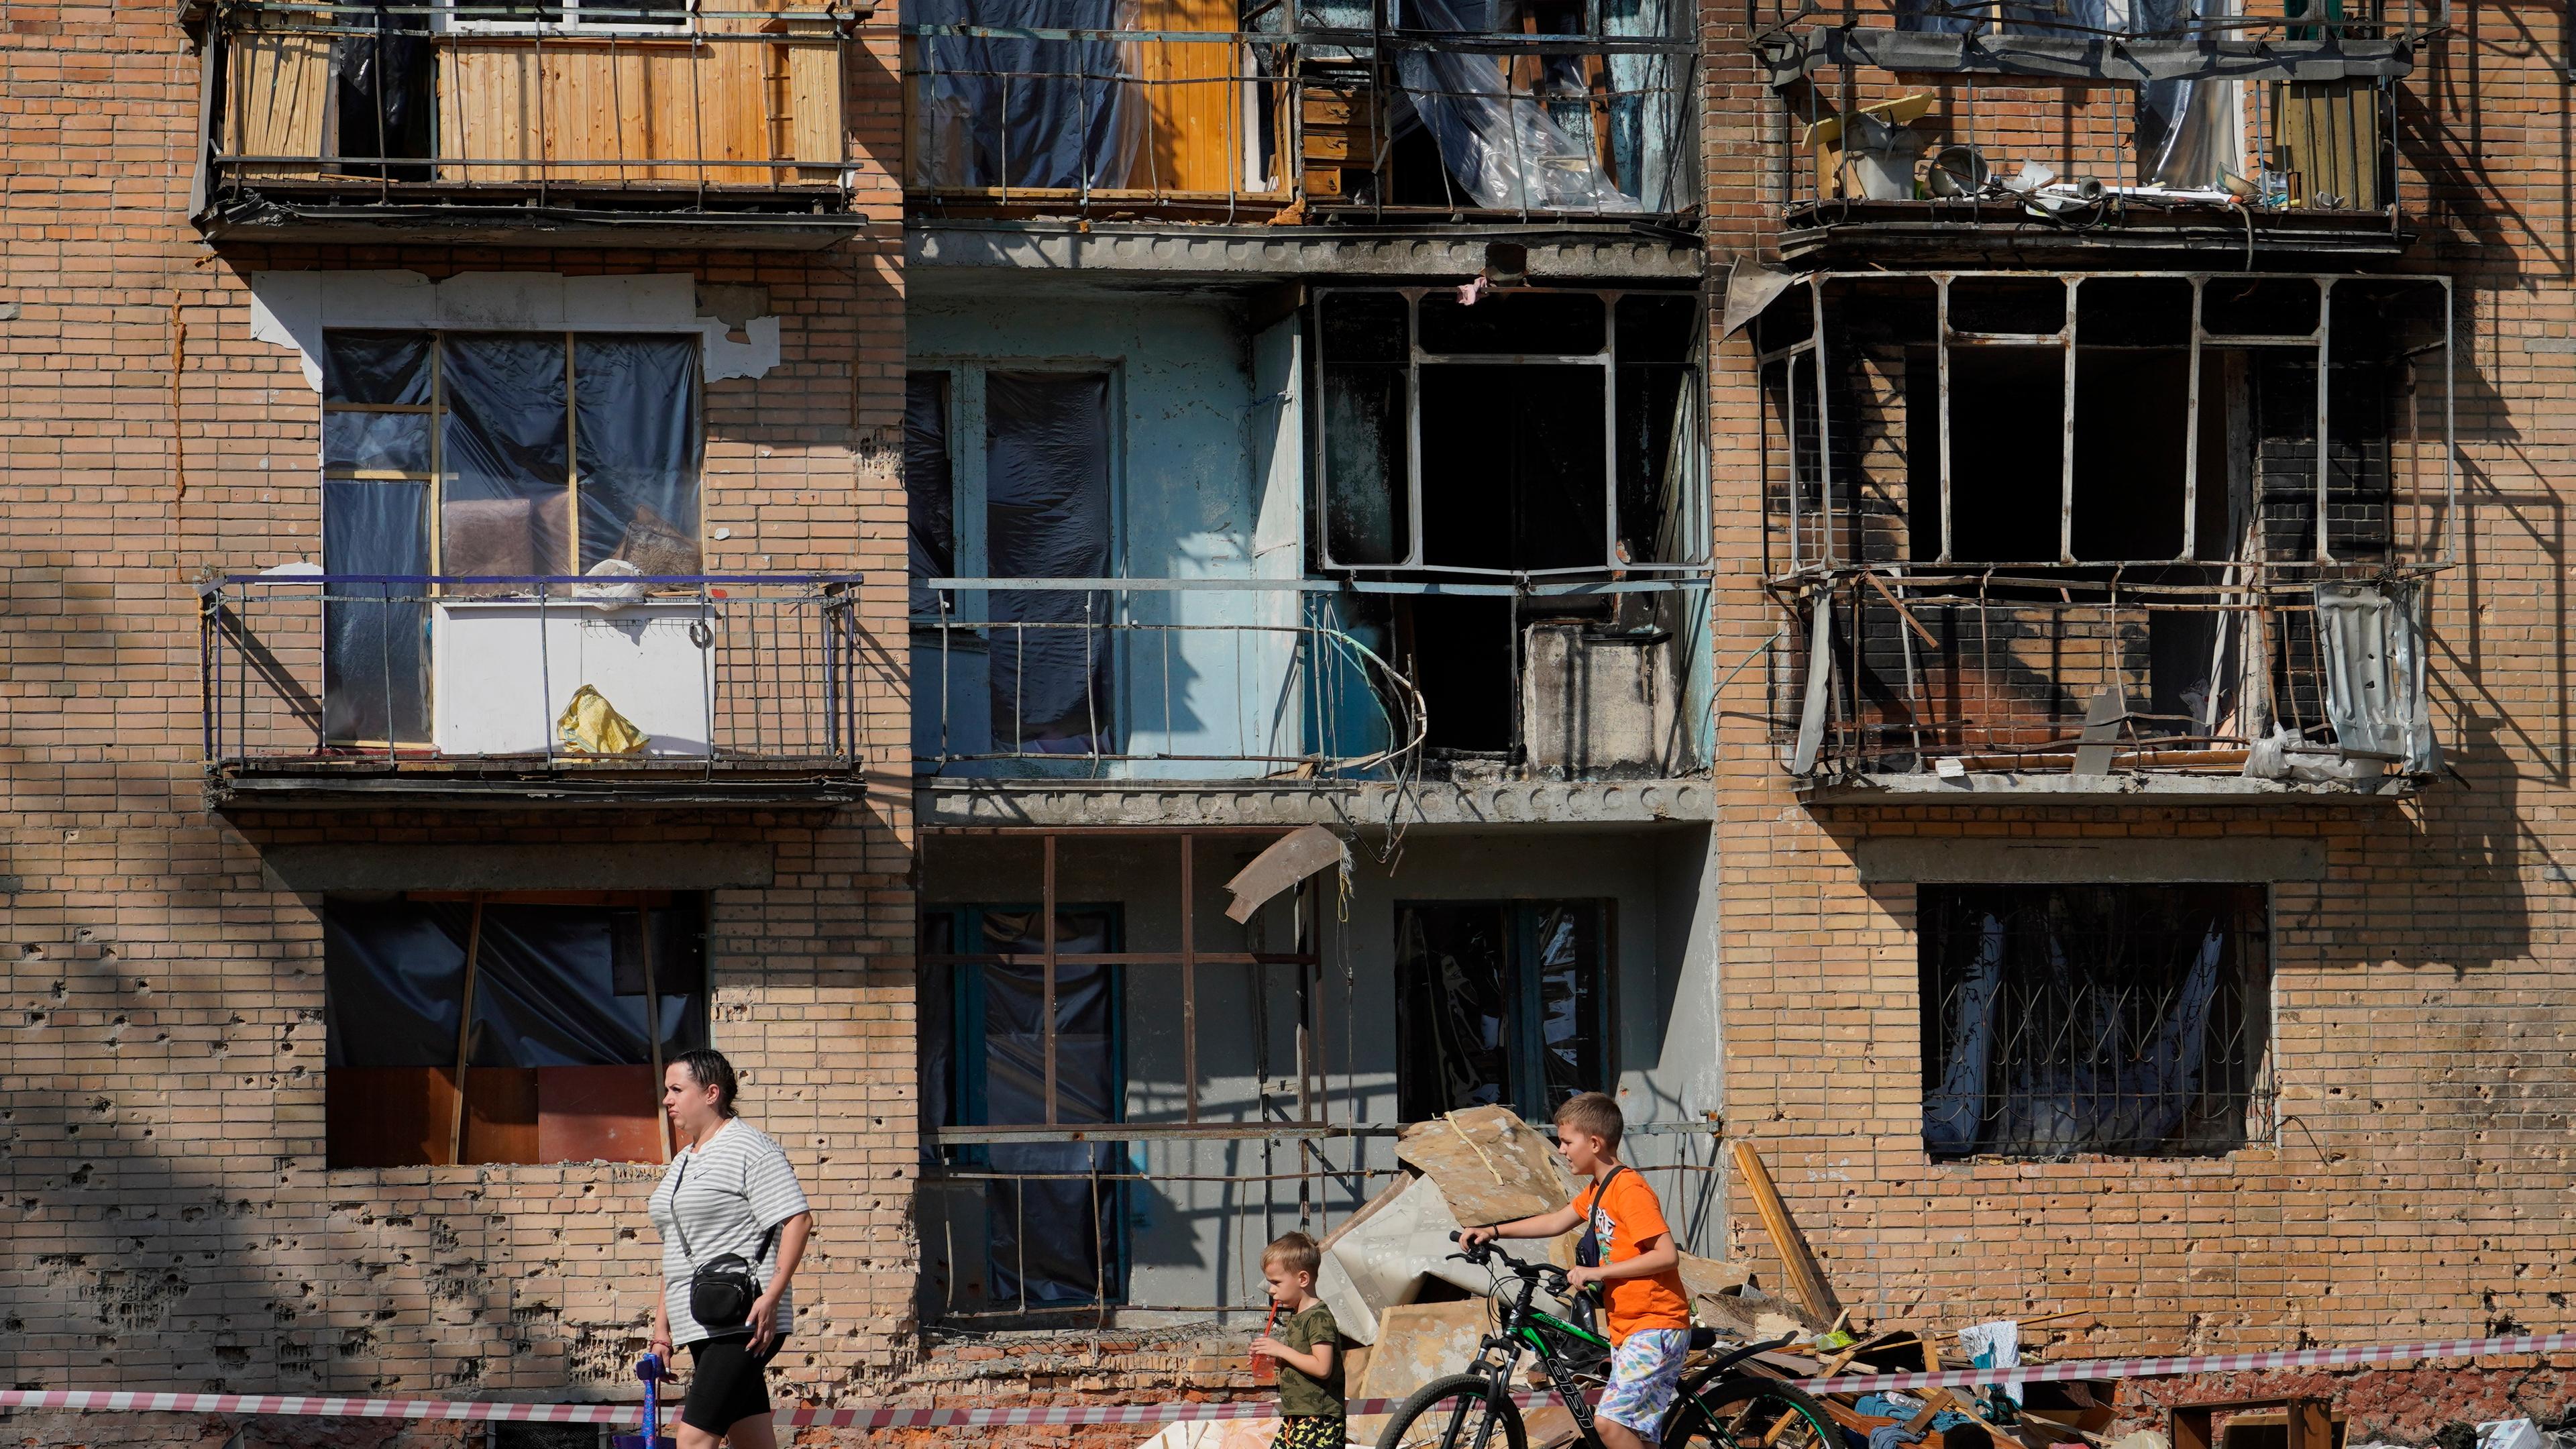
(505, 669)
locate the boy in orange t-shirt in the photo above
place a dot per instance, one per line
(1632, 1256)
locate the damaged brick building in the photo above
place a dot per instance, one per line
(1967, 594)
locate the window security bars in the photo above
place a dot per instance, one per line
(2080, 1019)
(322, 674)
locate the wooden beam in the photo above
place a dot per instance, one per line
(465, 1032)
(1806, 1278)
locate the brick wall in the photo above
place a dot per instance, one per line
(168, 1214)
(2418, 1180)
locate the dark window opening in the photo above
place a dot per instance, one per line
(1046, 515)
(929, 486)
(1050, 1239)
(2121, 1020)
(1500, 1002)
(553, 1010)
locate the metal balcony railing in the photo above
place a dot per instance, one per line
(632, 103)
(1152, 684)
(1171, 107)
(720, 675)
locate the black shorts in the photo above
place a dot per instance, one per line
(727, 1383)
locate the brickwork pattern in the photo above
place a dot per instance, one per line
(2418, 1180)
(169, 1217)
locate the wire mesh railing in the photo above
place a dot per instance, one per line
(707, 674)
(1095, 681)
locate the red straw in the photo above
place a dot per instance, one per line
(1265, 1328)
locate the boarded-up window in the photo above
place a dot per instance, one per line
(553, 1008)
(2065, 1019)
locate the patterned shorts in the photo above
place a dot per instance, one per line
(1645, 1378)
(1312, 1431)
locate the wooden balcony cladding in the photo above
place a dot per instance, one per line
(746, 103)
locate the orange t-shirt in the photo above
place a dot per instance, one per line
(1628, 1214)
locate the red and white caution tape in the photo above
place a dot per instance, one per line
(303, 1406)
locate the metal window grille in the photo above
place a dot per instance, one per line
(2089, 1019)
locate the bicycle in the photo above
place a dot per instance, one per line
(1715, 1409)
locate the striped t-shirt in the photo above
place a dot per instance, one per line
(723, 1195)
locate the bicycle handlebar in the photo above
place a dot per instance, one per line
(1547, 1273)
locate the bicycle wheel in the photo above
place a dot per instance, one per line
(1458, 1412)
(1741, 1411)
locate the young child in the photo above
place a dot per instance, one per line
(1307, 1346)
(1628, 1249)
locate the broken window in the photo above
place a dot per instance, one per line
(1533, 431)
(493, 455)
(1500, 1002)
(2064, 1019)
(553, 1009)
(1049, 1233)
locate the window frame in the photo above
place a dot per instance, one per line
(435, 410)
(1525, 1045)
(572, 26)
(696, 1023)
(968, 1081)
(2253, 1120)
(1699, 520)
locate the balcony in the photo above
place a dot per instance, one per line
(2106, 532)
(648, 124)
(1965, 133)
(1122, 684)
(700, 689)
(1453, 111)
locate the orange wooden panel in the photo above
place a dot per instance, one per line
(501, 1115)
(1195, 109)
(596, 1114)
(386, 1116)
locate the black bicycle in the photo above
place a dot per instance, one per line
(1717, 1407)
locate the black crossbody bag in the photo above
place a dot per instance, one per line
(722, 1289)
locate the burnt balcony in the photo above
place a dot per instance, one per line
(1947, 132)
(1443, 112)
(703, 689)
(607, 122)
(2107, 532)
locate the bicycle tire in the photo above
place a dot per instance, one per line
(1420, 1423)
(1742, 1411)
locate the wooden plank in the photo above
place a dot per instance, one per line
(281, 84)
(386, 1116)
(814, 107)
(596, 1114)
(1194, 107)
(1806, 1279)
(501, 1116)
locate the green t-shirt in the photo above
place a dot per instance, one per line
(1300, 1393)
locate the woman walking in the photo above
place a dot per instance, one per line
(728, 1194)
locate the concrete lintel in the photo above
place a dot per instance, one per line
(606, 866)
(1219, 252)
(1433, 807)
(1968, 860)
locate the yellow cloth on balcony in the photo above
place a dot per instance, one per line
(591, 723)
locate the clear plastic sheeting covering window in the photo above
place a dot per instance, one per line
(509, 455)
(1057, 115)
(2065, 1019)
(1524, 147)
(1499, 1003)
(554, 1008)
(1051, 1239)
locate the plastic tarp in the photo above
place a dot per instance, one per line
(2372, 637)
(375, 656)
(1046, 501)
(929, 487)
(635, 427)
(555, 986)
(1051, 1238)
(1505, 148)
(506, 447)
(1034, 114)
(385, 80)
